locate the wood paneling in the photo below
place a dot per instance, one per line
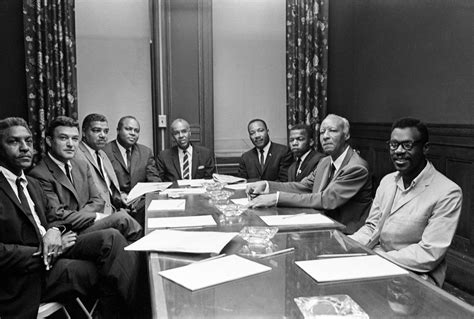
(452, 153)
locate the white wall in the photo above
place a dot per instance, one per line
(113, 62)
(249, 71)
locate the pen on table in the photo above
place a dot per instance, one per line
(341, 255)
(279, 252)
(296, 215)
(211, 258)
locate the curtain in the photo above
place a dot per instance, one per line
(306, 61)
(50, 52)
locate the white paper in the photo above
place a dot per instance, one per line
(192, 182)
(184, 191)
(184, 221)
(143, 188)
(198, 242)
(167, 204)
(209, 273)
(240, 201)
(345, 268)
(237, 186)
(303, 219)
(227, 179)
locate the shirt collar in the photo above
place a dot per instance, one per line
(266, 148)
(11, 178)
(122, 149)
(338, 162)
(416, 180)
(90, 149)
(302, 157)
(59, 163)
(189, 150)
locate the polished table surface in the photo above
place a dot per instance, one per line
(271, 294)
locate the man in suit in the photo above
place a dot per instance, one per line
(267, 160)
(302, 147)
(340, 185)
(185, 160)
(416, 209)
(41, 262)
(131, 161)
(71, 188)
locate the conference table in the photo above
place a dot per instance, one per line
(272, 294)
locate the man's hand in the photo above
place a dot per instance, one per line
(266, 200)
(255, 189)
(68, 239)
(52, 246)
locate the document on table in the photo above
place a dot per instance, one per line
(237, 186)
(143, 188)
(184, 191)
(193, 182)
(346, 268)
(167, 204)
(194, 242)
(184, 221)
(213, 272)
(227, 179)
(240, 201)
(297, 219)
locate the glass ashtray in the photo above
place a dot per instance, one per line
(213, 186)
(330, 306)
(231, 210)
(257, 250)
(257, 234)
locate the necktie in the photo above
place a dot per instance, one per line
(99, 162)
(185, 166)
(129, 158)
(262, 159)
(332, 170)
(22, 197)
(68, 172)
(298, 171)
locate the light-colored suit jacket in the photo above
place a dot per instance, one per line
(75, 205)
(418, 230)
(112, 197)
(346, 198)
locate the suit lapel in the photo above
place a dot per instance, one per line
(109, 170)
(88, 155)
(175, 160)
(257, 160)
(118, 155)
(325, 175)
(59, 175)
(195, 162)
(420, 188)
(37, 199)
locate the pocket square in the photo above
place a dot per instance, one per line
(201, 167)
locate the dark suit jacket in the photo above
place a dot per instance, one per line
(142, 163)
(307, 167)
(277, 162)
(76, 208)
(346, 198)
(169, 170)
(20, 273)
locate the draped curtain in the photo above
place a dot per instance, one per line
(306, 61)
(50, 52)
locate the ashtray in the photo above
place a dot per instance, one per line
(213, 186)
(231, 210)
(258, 234)
(257, 250)
(219, 197)
(330, 306)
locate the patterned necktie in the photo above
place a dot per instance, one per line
(128, 152)
(22, 197)
(262, 159)
(99, 162)
(67, 167)
(185, 165)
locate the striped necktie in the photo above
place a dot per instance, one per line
(185, 165)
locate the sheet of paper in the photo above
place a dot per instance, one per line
(198, 242)
(346, 268)
(227, 179)
(143, 188)
(184, 191)
(209, 273)
(240, 201)
(192, 182)
(297, 219)
(237, 186)
(184, 221)
(167, 204)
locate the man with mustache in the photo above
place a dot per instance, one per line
(41, 261)
(184, 160)
(267, 160)
(416, 209)
(340, 186)
(70, 186)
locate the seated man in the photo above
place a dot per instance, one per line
(69, 184)
(416, 209)
(131, 161)
(340, 185)
(40, 262)
(306, 157)
(185, 160)
(267, 160)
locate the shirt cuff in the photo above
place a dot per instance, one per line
(278, 197)
(267, 188)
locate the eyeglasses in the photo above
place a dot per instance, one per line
(407, 145)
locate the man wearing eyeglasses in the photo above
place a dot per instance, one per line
(416, 209)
